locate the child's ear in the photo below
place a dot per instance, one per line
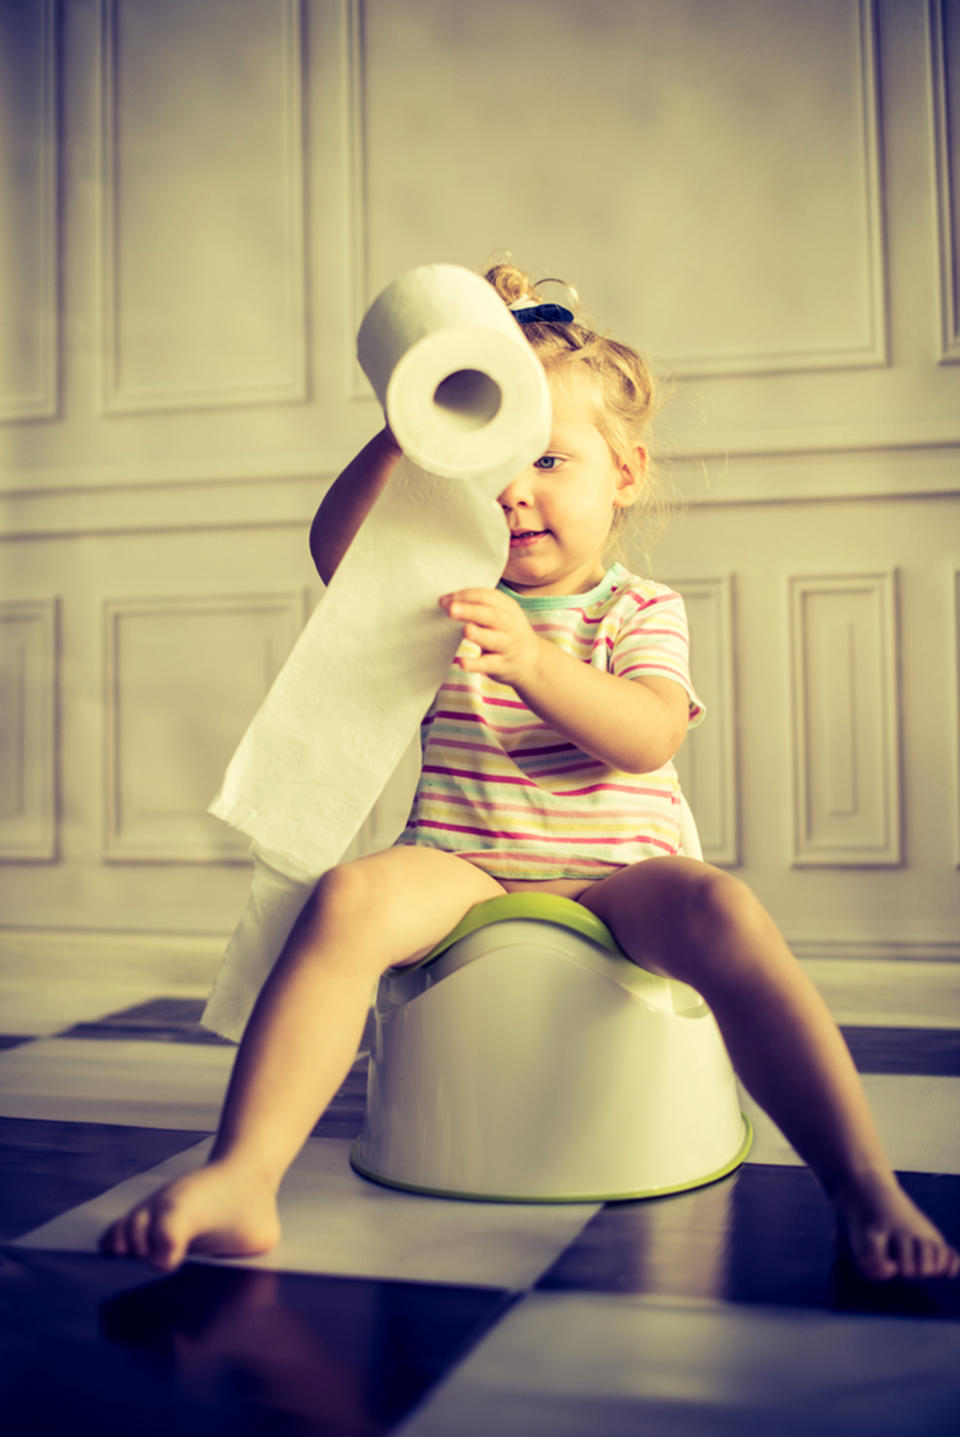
(632, 471)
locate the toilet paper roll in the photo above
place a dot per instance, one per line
(462, 389)
(465, 394)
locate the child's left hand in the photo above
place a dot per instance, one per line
(509, 648)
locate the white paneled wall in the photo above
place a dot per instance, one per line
(198, 200)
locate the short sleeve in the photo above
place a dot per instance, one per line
(654, 642)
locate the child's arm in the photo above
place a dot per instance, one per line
(635, 725)
(349, 500)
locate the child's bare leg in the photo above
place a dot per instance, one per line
(302, 1037)
(698, 924)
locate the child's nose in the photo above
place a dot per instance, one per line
(519, 490)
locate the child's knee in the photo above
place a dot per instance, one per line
(341, 898)
(718, 914)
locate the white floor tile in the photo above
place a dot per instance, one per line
(604, 1366)
(917, 1116)
(134, 1083)
(335, 1221)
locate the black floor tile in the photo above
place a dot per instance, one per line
(763, 1235)
(163, 1020)
(47, 1168)
(217, 1350)
(344, 1114)
(932, 1051)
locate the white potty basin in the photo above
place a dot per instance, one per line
(527, 1059)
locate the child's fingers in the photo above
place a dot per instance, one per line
(488, 663)
(490, 640)
(477, 613)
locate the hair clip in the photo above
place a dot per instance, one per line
(534, 311)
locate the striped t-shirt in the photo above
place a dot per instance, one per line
(503, 789)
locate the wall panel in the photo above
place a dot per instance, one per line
(202, 235)
(845, 720)
(167, 745)
(945, 92)
(763, 281)
(28, 211)
(28, 729)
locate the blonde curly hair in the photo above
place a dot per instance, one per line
(625, 394)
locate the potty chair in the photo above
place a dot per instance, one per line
(527, 1059)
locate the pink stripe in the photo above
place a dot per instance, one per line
(578, 766)
(556, 629)
(466, 717)
(668, 669)
(609, 788)
(539, 837)
(428, 796)
(493, 779)
(643, 603)
(567, 770)
(480, 777)
(505, 703)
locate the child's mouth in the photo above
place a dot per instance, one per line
(525, 538)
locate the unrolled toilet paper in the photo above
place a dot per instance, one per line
(468, 402)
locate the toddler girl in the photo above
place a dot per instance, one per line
(547, 764)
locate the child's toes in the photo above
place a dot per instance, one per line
(138, 1232)
(168, 1243)
(934, 1259)
(113, 1242)
(945, 1261)
(873, 1257)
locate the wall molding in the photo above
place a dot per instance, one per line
(880, 986)
(114, 396)
(44, 403)
(858, 942)
(172, 961)
(228, 493)
(845, 721)
(948, 203)
(29, 823)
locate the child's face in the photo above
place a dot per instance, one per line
(560, 509)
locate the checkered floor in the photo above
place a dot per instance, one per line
(718, 1311)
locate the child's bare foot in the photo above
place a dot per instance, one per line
(886, 1235)
(220, 1210)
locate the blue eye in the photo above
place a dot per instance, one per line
(548, 462)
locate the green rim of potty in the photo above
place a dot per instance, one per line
(735, 1162)
(547, 907)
